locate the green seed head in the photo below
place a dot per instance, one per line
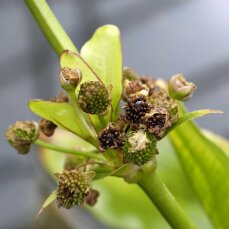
(180, 88)
(70, 78)
(73, 187)
(94, 98)
(22, 134)
(140, 147)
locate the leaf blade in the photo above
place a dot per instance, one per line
(103, 53)
(207, 168)
(61, 114)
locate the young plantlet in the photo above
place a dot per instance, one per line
(22, 134)
(139, 147)
(73, 187)
(94, 98)
(180, 88)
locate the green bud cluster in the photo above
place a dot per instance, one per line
(140, 147)
(94, 98)
(22, 134)
(73, 187)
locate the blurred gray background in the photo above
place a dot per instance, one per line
(159, 38)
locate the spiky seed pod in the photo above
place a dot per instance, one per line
(157, 121)
(112, 136)
(70, 78)
(180, 88)
(136, 107)
(47, 127)
(129, 74)
(22, 134)
(161, 99)
(139, 147)
(92, 197)
(94, 98)
(73, 187)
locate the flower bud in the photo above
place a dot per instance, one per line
(94, 98)
(157, 121)
(73, 187)
(180, 88)
(136, 107)
(47, 127)
(140, 147)
(70, 78)
(22, 134)
(112, 136)
(129, 74)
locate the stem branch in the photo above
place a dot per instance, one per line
(69, 151)
(164, 201)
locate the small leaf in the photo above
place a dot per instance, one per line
(62, 114)
(207, 168)
(103, 53)
(193, 115)
(47, 202)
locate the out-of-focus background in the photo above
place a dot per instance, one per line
(159, 38)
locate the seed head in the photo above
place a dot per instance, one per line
(22, 134)
(73, 187)
(136, 107)
(70, 78)
(112, 136)
(157, 121)
(94, 98)
(180, 88)
(140, 147)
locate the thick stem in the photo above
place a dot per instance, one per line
(165, 202)
(61, 149)
(50, 26)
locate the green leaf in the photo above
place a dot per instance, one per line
(62, 114)
(47, 202)
(207, 168)
(193, 115)
(103, 53)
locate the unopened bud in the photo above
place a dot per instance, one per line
(22, 134)
(70, 78)
(180, 88)
(129, 74)
(140, 147)
(94, 98)
(73, 187)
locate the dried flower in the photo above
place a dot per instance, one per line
(22, 134)
(112, 136)
(70, 78)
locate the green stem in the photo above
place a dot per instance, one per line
(85, 120)
(50, 26)
(164, 201)
(69, 151)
